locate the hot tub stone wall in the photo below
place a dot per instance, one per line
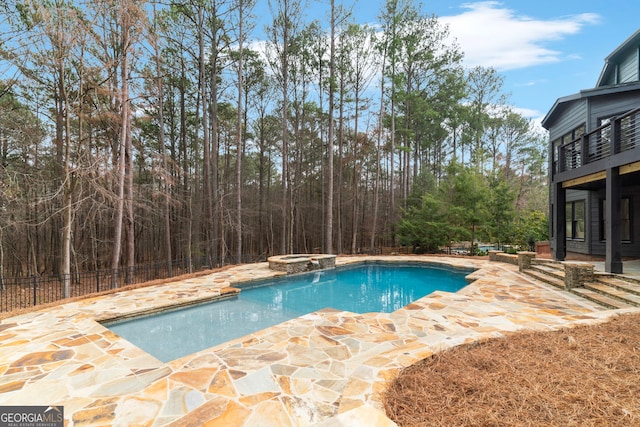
(292, 264)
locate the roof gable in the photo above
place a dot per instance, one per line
(623, 64)
(562, 103)
(621, 73)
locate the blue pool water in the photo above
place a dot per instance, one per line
(366, 288)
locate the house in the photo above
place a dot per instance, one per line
(594, 165)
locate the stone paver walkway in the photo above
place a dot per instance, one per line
(327, 368)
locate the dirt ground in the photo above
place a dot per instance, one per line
(582, 376)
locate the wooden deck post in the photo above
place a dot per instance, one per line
(559, 231)
(613, 244)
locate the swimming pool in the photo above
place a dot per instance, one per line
(379, 287)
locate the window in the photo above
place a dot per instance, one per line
(628, 132)
(625, 128)
(555, 145)
(572, 155)
(603, 143)
(625, 220)
(575, 215)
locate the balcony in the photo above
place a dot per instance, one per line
(613, 139)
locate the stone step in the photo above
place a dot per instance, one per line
(547, 262)
(606, 289)
(635, 280)
(624, 284)
(614, 292)
(546, 278)
(601, 299)
(549, 270)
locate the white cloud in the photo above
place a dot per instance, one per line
(492, 35)
(526, 112)
(535, 116)
(531, 83)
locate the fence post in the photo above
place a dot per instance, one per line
(97, 280)
(35, 289)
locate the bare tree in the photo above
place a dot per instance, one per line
(243, 8)
(129, 16)
(358, 41)
(330, 174)
(286, 17)
(154, 38)
(50, 35)
(305, 175)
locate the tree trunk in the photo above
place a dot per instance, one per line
(329, 207)
(130, 219)
(376, 195)
(356, 178)
(164, 154)
(239, 139)
(67, 216)
(124, 142)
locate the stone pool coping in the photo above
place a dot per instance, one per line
(326, 368)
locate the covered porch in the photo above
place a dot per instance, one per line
(605, 165)
(606, 226)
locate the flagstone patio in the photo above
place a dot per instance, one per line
(327, 368)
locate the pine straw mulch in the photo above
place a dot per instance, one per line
(582, 376)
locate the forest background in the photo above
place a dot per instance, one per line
(137, 131)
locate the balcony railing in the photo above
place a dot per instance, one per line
(618, 135)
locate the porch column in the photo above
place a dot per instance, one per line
(613, 244)
(559, 222)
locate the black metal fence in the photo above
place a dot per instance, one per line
(25, 292)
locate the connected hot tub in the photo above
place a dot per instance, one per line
(299, 263)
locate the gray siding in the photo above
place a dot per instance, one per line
(617, 92)
(571, 118)
(612, 78)
(628, 69)
(602, 107)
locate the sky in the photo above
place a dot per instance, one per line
(544, 49)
